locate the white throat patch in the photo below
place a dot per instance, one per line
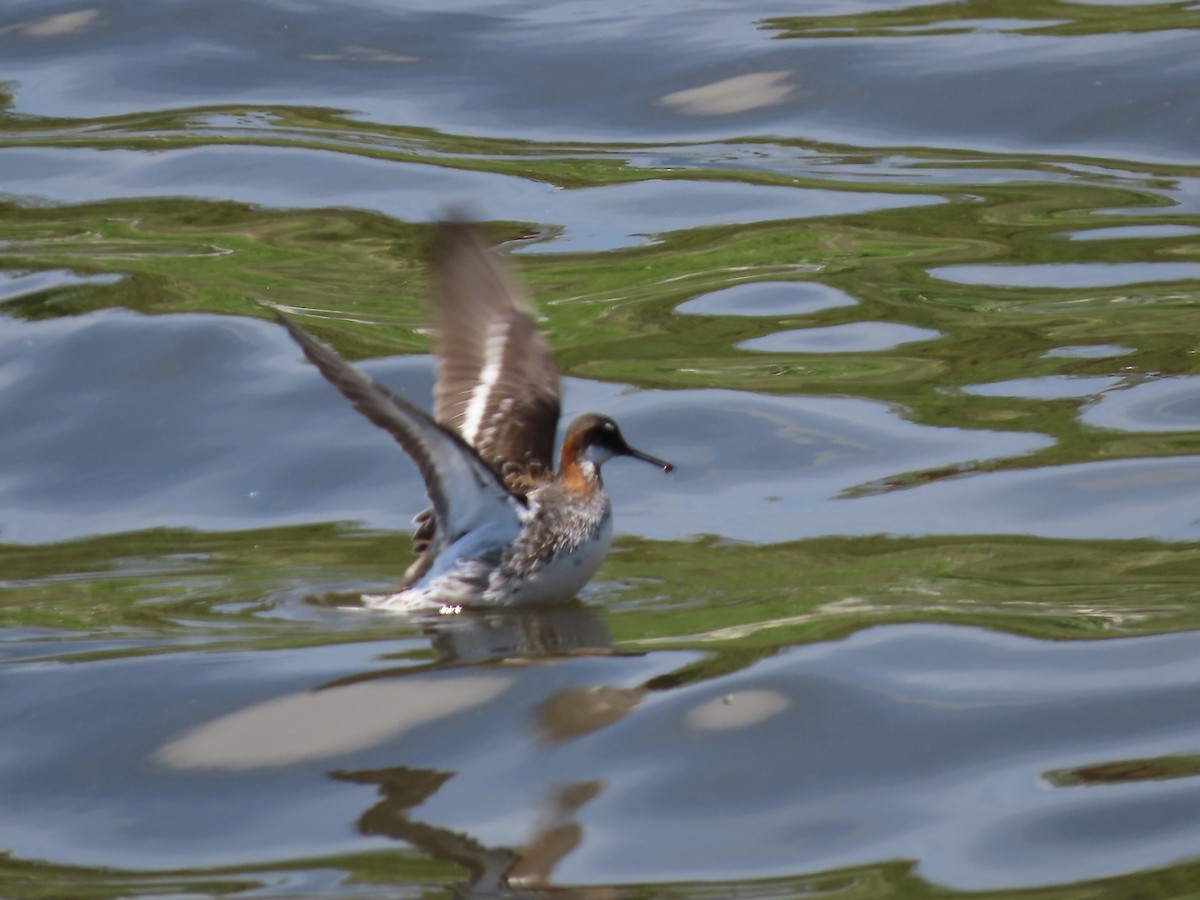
(597, 455)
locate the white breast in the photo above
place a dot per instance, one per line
(562, 577)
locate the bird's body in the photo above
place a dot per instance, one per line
(505, 528)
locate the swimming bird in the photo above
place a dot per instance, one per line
(504, 527)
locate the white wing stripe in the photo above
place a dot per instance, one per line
(489, 375)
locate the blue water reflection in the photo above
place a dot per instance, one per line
(1088, 351)
(597, 218)
(1070, 275)
(1167, 404)
(925, 743)
(1048, 387)
(226, 427)
(855, 337)
(481, 68)
(768, 298)
(662, 158)
(1135, 232)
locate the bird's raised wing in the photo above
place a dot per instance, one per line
(465, 491)
(497, 385)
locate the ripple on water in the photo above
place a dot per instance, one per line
(1108, 499)
(854, 337)
(1048, 387)
(1134, 232)
(935, 744)
(602, 217)
(215, 423)
(966, 724)
(933, 753)
(1067, 276)
(1165, 404)
(1088, 351)
(768, 298)
(190, 420)
(26, 284)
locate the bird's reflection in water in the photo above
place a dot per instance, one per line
(488, 674)
(490, 871)
(479, 638)
(493, 756)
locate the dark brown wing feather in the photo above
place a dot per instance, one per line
(463, 488)
(497, 385)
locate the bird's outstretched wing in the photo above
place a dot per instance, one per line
(465, 491)
(497, 385)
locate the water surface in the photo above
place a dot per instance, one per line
(908, 293)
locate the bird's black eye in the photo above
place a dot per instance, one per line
(610, 427)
